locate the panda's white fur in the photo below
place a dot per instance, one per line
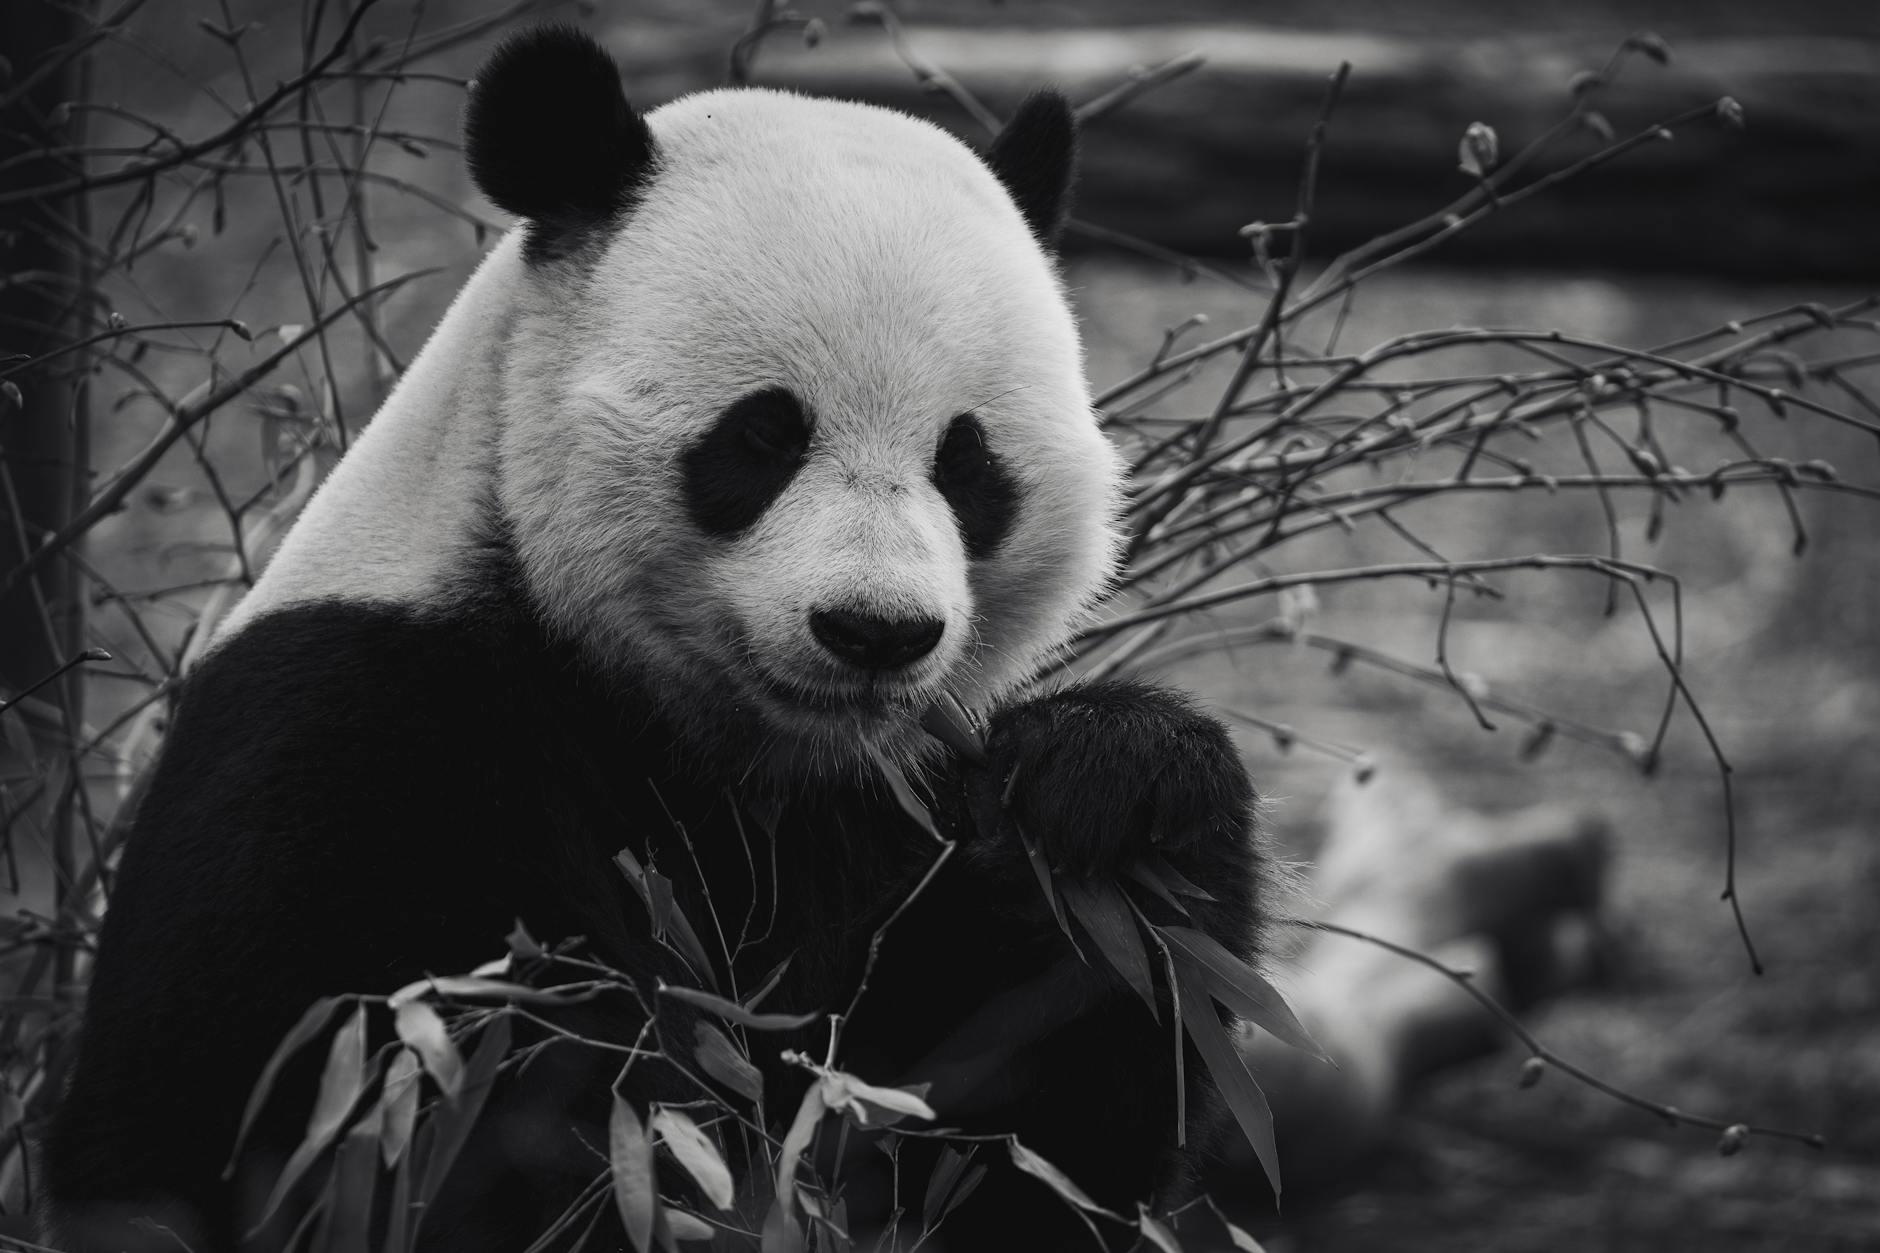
(866, 260)
(396, 518)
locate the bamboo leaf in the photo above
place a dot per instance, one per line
(1105, 917)
(311, 1024)
(630, 1159)
(1240, 987)
(733, 1012)
(1173, 879)
(421, 1029)
(1175, 1023)
(454, 1117)
(476, 987)
(768, 984)
(947, 721)
(399, 1101)
(802, 1128)
(1242, 1094)
(1156, 1233)
(636, 875)
(946, 1172)
(905, 796)
(1242, 1241)
(696, 1152)
(847, 1094)
(722, 1060)
(400, 1221)
(689, 945)
(968, 1185)
(346, 1221)
(684, 1226)
(831, 1219)
(521, 943)
(669, 921)
(659, 891)
(341, 1083)
(1046, 884)
(1056, 1180)
(1136, 871)
(782, 1233)
(838, 1223)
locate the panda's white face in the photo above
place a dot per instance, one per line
(808, 439)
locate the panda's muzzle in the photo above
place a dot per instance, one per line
(871, 642)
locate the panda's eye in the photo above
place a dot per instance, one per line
(773, 425)
(982, 492)
(738, 467)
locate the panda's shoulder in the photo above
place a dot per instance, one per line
(329, 664)
(364, 697)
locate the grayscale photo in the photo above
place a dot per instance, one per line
(939, 626)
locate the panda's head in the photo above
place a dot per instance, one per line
(794, 422)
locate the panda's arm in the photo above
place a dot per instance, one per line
(1102, 774)
(1099, 779)
(1021, 1033)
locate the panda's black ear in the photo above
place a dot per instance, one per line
(551, 138)
(1035, 156)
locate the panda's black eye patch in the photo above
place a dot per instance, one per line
(743, 463)
(981, 491)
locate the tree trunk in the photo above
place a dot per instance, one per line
(44, 295)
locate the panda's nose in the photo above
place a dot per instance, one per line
(872, 642)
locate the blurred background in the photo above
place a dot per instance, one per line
(279, 229)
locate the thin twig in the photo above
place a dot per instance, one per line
(1671, 1114)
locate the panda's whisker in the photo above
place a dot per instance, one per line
(996, 396)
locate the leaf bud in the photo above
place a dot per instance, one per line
(1479, 150)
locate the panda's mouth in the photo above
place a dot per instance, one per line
(870, 699)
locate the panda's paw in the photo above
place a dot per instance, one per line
(1101, 774)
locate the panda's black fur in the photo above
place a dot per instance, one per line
(355, 794)
(553, 140)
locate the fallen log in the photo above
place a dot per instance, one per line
(1795, 192)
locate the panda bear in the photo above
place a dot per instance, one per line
(763, 434)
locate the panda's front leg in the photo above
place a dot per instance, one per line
(1102, 775)
(1097, 777)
